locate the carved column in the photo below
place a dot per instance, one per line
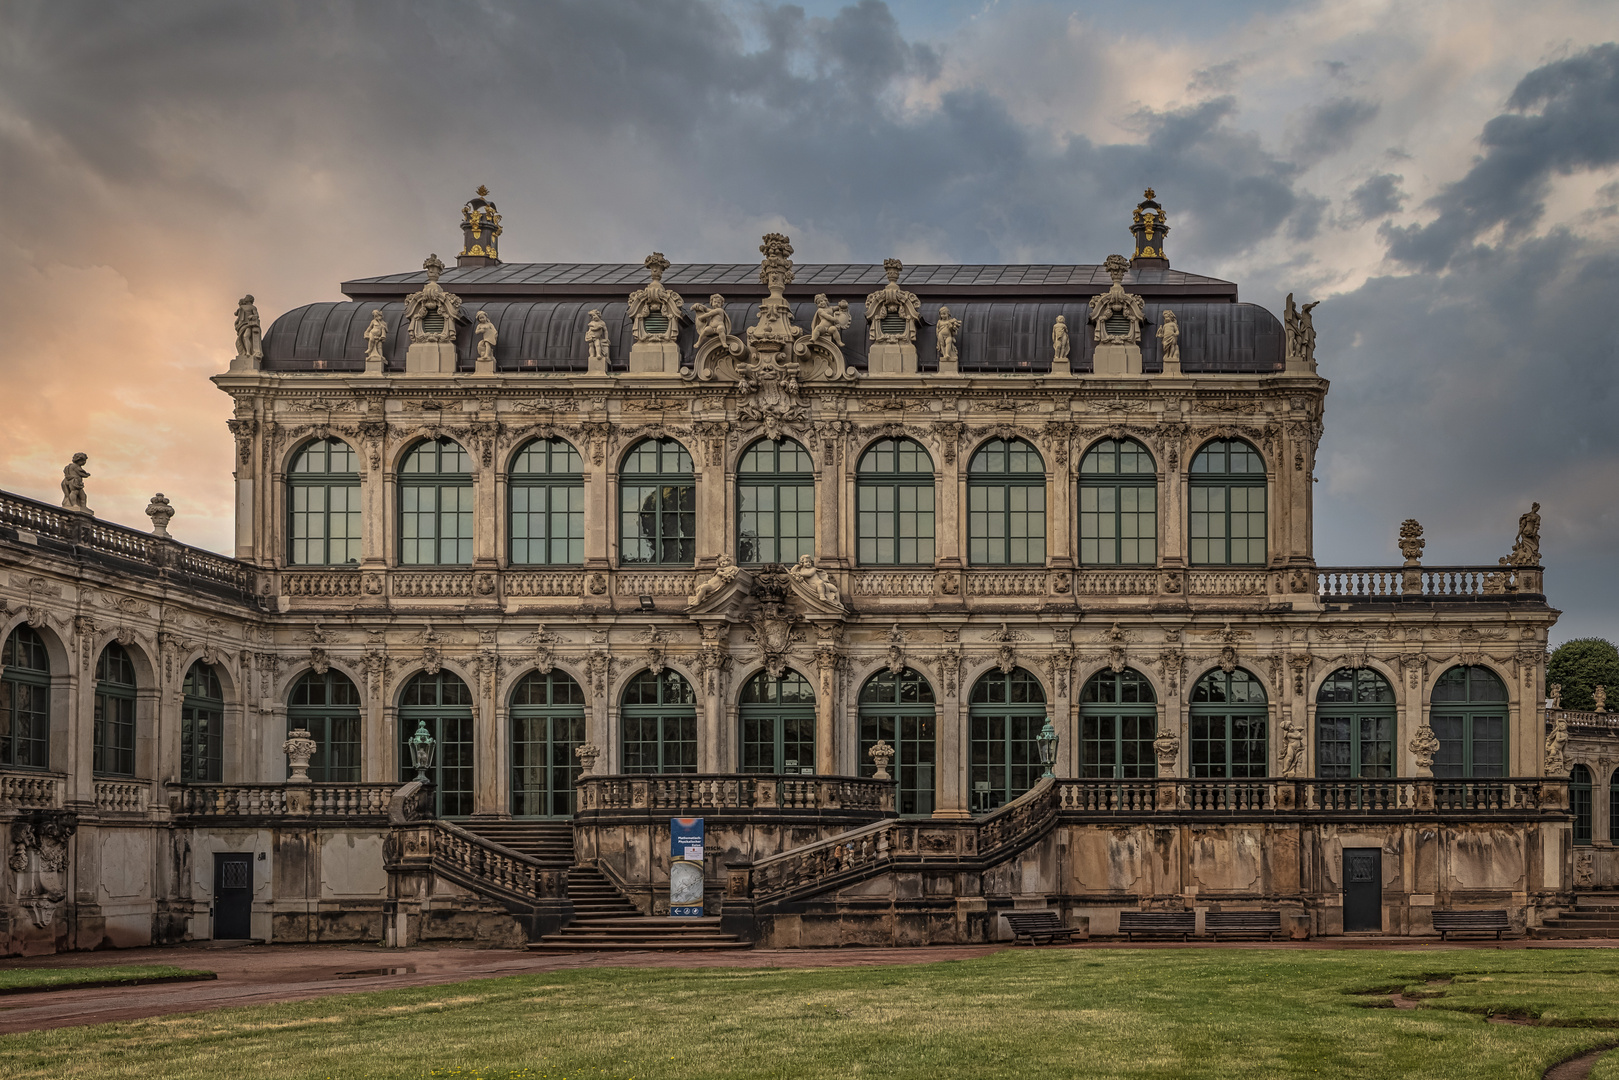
(827, 659)
(829, 491)
(715, 535)
(243, 428)
(601, 504)
(1060, 517)
(949, 526)
(374, 531)
(950, 734)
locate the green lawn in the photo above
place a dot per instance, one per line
(34, 978)
(1023, 1013)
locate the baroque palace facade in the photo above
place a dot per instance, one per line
(938, 592)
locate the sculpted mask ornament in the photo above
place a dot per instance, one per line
(1424, 745)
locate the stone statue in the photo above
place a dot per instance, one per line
(1526, 549)
(249, 338)
(484, 331)
(1169, 337)
(596, 338)
(1601, 696)
(711, 320)
(829, 321)
(1424, 745)
(1059, 340)
(375, 334)
(1556, 742)
(73, 477)
(945, 332)
(1557, 695)
(1411, 541)
(1168, 747)
(1300, 329)
(432, 312)
(725, 572)
(161, 513)
(1292, 763)
(815, 581)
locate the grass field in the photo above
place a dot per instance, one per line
(35, 978)
(1026, 1013)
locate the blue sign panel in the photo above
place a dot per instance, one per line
(685, 867)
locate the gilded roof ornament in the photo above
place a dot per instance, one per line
(1148, 225)
(480, 230)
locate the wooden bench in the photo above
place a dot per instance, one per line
(1268, 923)
(1169, 923)
(1036, 927)
(1471, 922)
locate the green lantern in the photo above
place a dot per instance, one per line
(422, 745)
(1047, 742)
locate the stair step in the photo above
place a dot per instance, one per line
(633, 946)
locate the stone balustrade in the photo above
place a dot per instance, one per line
(1580, 719)
(331, 583)
(123, 796)
(1389, 584)
(355, 803)
(31, 790)
(698, 793)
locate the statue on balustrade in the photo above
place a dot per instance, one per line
(1526, 548)
(249, 336)
(73, 477)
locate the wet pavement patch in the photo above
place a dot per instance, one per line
(372, 973)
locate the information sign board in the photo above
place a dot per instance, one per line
(685, 867)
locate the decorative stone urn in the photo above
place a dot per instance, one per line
(299, 748)
(883, 755)
(587, 753)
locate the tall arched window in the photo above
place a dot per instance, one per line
(1118, 720)
(659, 720)
(1118, 505)
(114, 746)
(202, 726)
(323, 505)
(328, 707)
(546, 488)
(1469, 716)
(894, 497)
(1006, 505)
(548, 724)
(1354, 726)
(1227, 505)
(1579, 802)
(1613, 808)
(444, 703)
(435, 505)
(1229, 727)
(775, 503)
(899, 709)
(1006, 714)
(657, 494)
(25, 701)
(778, 724)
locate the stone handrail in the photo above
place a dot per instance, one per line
(351, 802)
(1290, 797)
(473, 862)
(710, 792)
(1228, 582)
(1383, 584)
(1579, 718)
(123, 796)
(30, 789)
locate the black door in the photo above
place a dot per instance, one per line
(233, 895)
(1363, 889)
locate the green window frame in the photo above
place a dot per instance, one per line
(1118, 505)
(899, 708)
(894, 505)
(1004, 717)
(1468, 714)
(202, 726)
(1227, 505)
(328, 707)
(323, 505)
(1118, 720)
(777, 715)
(444, 701)
(658, 721)
(1006, 505)
(25, 700)
(1230, 727)
(1355, 726)
(1579, 803)
(547, 726)
(546, 492)
(657, 492)
(775, 503)
(113, 751)
(436, 505)
(1613, 808)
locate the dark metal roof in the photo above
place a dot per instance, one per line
(840, 280)
(997, 335)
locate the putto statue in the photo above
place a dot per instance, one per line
(815, 582)
(1556, 743)
(73, 477)
(1292, 762)
(822, 348)
(1059, 342)
(485, 332)
(249, 336)
(716, 345)
(829, 322)
(432, 312)
(376, 333)
(1169, 340)
(725, 572)
(1526, 548)
(945, 332)
(596, 343)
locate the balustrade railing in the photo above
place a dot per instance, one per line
(329, 583)
(1228, 582)
(1382, 584)
(29, 790)
(700, 792)
(1116, 583)
(1577, 718)
(482, 865)
(1006, 583)
(640, 583)
(430, 586)
(892, 583)
(123, 796)
(339, 801)
(1401, 795)
(544, 584)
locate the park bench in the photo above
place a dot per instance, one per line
(1471, 922)
(1183, 923)
(1037, 927)
(1268, 923)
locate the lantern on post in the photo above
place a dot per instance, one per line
(1047, 742)
(421, 750)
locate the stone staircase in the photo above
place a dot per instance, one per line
(1594, 915)
(551, 842)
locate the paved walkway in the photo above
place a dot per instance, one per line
(266, 974)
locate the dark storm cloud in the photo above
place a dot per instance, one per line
(1565, 119)
(1329, 127)
(1378, 197)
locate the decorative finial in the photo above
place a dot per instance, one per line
(480, 228)
(1149, 193)
(434, 267)
(161, 512)
(1149, 226)
(656, 264)
(1116, 266)
(1411, 541)
(893, 267)
(778, 263)
(483, 192)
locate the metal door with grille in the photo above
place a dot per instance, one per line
(233, 895)
(1363, 890)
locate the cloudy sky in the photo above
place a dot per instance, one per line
(1443, 174)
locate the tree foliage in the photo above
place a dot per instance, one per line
(1581, 666)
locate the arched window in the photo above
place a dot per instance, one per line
(1227, 505)
(894, 497)
(658, 502)
(323, 505)
(548, 724)
(435, 505)
(1613, 808)
(775, 503)
(1118, 505)
(114, 747)
(1354, 726)
(444, 703)
(1118, 720)
(546, 488)
(1579, 802)
(328, 707)
(1006, 505)
(778, 724)
(202, 726)
(1229, 727)
(25, 701)
(899, 710)
(1004, 719)
(1468, 714)
(659, 719)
